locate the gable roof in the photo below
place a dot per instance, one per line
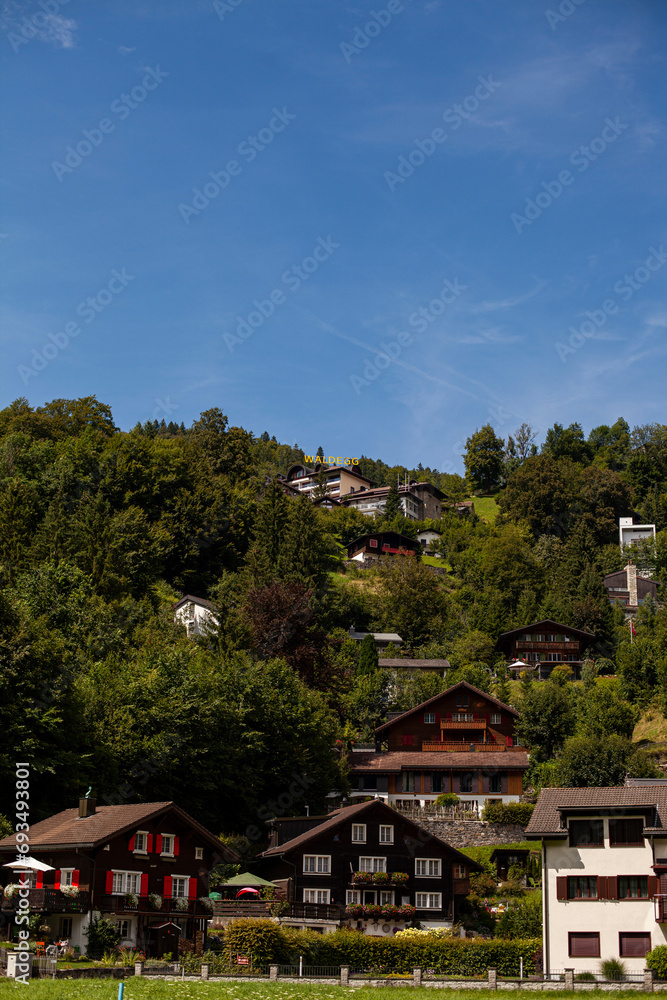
(346, 813)
(546, 818)
(436, 697)
(404, 540)
(189, 599)
(66, 829)
(546, 623)
(511, 759)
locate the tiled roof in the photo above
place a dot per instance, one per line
(409, 663)
(461, 684)
(546, 623)
(191, 599)
(66, 828)
(397, 760)
(546, 817)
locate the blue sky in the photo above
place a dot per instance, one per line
(203, 206)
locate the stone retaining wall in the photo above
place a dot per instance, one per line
(472, 832)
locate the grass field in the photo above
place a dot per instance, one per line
(486, 508)
(143, 989)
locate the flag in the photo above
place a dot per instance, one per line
(632, 628)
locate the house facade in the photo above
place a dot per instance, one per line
(630, 534)
(545, 644)
(144, 867)
(372, 547)
(419, 501)
(462, 741)
(341, 480)
(378, 869)
(629, 589)
(196, 614)
(604, 861)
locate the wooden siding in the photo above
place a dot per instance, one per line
(430, 732)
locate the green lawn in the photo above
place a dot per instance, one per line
(143, 989)
(486, 508)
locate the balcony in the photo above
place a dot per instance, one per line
(477, 724)
(463, 746)
(660, 905)
(262, 908)
(548, 647)
(53, 901)
(117, 904)
(315, 911)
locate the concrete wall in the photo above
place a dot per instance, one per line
(471, 832)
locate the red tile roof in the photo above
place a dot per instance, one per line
(398, 760)
(546, 818)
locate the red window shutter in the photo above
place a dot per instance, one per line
(40, 880)
(149, 843)
(131, 845)
(158, 843)
(653, 886)
(437, 718)
(192, 888)
(611, 887)
(475, 717)
(603, 888)
(57, 880)
(449, 716)
(144, 885)
(176, 845)
(109, 883)
(561, 887)
(488, 719)
(510, 741)
(76, 875)
(167, 886)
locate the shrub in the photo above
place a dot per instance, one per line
(657, 960)
(102, 936)
(585, 977)
(447, 799)
(508, 812)
(522, 919)
(262, 939)
(612, 969)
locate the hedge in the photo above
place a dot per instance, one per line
(267, 942)
(509, 812)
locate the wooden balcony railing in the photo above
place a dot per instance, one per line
(315, 911)
(118, 904)
(477, 724)
(262, 908)
(53, 901)
(548, 647)
(463, 746)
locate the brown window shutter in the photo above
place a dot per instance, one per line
(602, 887)
(653, 886)
(561, 887)
(611, 887)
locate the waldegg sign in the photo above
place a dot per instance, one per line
(331, 460)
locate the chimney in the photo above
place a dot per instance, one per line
(87, 807)
(631, 574)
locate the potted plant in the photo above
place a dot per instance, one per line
(354, 910)
(12, 889)
(406, 912)
(361, 878)
(131, 899)
(181, 903)
(373, 911)
(399, 878)
(207, 903)
(69, 890)
(155, 900)
(380, 878)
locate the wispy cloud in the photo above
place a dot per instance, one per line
(125, 50)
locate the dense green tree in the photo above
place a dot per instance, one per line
(484, 459)
(547, 719)
(412, 600)
(268, 533)
(567, 442)
(604, 711)
(542, 492)
(392, 505)
(601, 762)
(368, 655)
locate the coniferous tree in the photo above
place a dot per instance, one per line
(392, 505)
(368, 655)
(268, 534)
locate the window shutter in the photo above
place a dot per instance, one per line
(192, 888)
(603, 888)
(108, 888)
(653, 886)
(449, 716)
(561, 887)
(510, 741)
(611, 887)
(149, 843)
(488, 719)
(76, 874)
(167, 887)
(57, 880)
(131, 844)
(158, 843)
(40, 880)
(176, 845)
(144, 885)
(437, 718)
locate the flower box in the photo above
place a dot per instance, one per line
(362, 878)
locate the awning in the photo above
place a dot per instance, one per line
(29, 864)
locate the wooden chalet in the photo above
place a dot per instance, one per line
(373, 546)
(543, 645)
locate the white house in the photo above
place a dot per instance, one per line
(604, 857)
(196, 614)
(428, 538)
(629, 533)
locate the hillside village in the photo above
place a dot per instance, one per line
(332, 694)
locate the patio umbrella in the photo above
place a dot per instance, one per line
(29, 864)
(241, 892)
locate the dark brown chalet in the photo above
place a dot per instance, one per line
(143, 866)
(373, 546)
(543, 645)
(368, 866)
(460, 741)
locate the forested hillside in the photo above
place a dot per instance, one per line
(101, 530)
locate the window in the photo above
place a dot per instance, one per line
(583, 944)
(429, 717)
(632, 944)
(179, 886)
(66, 876)
(372, 864)
(632, 886)
(373, 543)
(66, 927)
(358, 833)
(582, 887)
(386, 835)
(140, 841)
(167, 844)
(199, 853)
(428, 900)
(317, 864)
(386, 897)
(370, 782)
(626, 831)
(436, 781)
(462, 701)
(408, 781)
(495, 783)
(428, 867)
(316, 895)
(586, 833)
(407, 740)
(463, 717)
(352, 897)
(125, 882)
(495, 718)
(554, 657)
(460, 871)
(465, 783)
(123, 929)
